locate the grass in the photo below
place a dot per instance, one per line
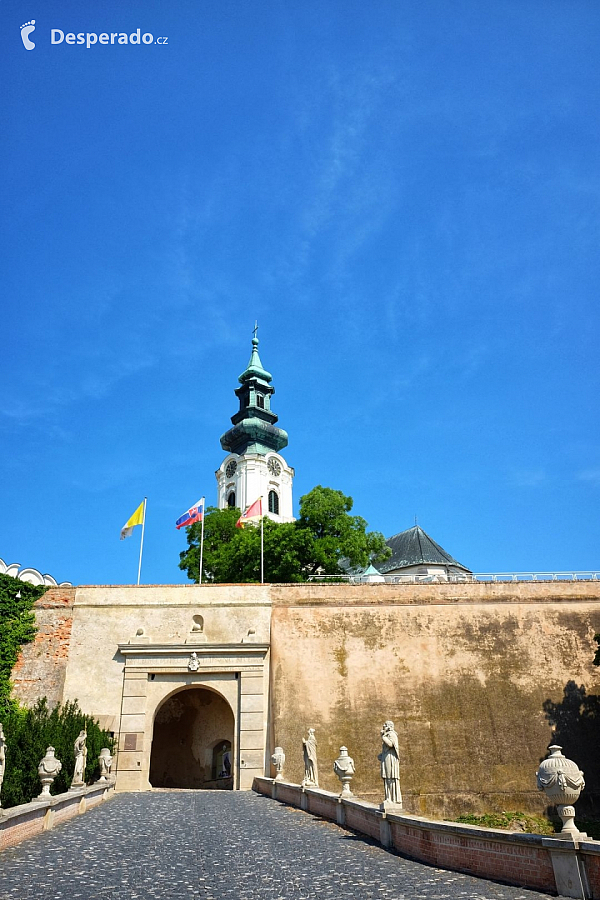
(510, 821)
(529, 824)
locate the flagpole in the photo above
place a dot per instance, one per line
(142, 542)
(202, 538)
(262, 546)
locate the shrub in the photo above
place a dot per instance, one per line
(29, 732)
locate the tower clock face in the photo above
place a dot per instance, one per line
(231, 468)
(274, 467)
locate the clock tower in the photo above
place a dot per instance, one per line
(254, 467)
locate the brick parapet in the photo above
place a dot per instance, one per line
(524, 860)
(21, 822)
(590, 854)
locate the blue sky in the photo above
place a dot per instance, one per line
(405, 195)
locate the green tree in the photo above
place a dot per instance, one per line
(288, 552)
(340, 539)
(219, 532)
(324, 535)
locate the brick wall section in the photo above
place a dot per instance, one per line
(526, 866)
(30, 824)
(41, 667)
(591, 863)
(361, 819)
(519, 859)
(21, 822)
(67, 810)
(321, 805)
(285, 794)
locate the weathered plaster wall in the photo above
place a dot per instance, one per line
(472, 675)
(83, 627)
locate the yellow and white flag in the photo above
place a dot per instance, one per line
(136, 519)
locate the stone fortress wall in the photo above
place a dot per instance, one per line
(474, 676)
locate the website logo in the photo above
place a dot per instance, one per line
(26, 30)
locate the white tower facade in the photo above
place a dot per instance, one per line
(243, 479)
(254, 467)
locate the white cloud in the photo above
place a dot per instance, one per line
(526, 478)
(592, 476)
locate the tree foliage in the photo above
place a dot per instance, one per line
(324, 538)
(17, 627)
(338, 536)
(29, 732)
(597, 656)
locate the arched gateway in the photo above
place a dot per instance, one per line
(193, 715)
(192, 741)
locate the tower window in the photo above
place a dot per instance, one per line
(273, 503)
(260, 401)
(231, 499)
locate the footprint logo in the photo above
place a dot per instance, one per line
(26, 30)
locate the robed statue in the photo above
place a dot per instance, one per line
(390, 764)
(80, 750)
(311, 771)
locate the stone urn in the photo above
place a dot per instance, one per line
(344, 769)
(278, 762)
(105, 760)
(48, 769)
(562, 782)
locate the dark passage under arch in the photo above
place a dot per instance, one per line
(192, 741)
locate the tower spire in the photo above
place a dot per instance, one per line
(254, 429)
(253, 466)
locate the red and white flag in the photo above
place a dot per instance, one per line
(253, 514)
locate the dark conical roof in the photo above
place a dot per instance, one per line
(414, 547)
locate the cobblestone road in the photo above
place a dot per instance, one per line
(203, 845)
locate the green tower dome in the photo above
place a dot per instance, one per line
(254, 429)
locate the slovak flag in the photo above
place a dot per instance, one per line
(194, 514)
(252, 514)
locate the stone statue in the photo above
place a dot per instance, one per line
(80, 760)
(48, 769)
(194, 663)
(105, 759)
(344, 769)
(2, 758)
(311, 771)
(390, 765)
(278, 761)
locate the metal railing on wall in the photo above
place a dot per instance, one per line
(591, 575)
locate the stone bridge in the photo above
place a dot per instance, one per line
(212, 845)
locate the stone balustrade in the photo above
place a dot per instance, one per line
(559, 865)
(21, 822)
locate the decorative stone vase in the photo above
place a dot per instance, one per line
(48, 769)
(278, 762)
(105, 759)
(562, 782)
(344, 769)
